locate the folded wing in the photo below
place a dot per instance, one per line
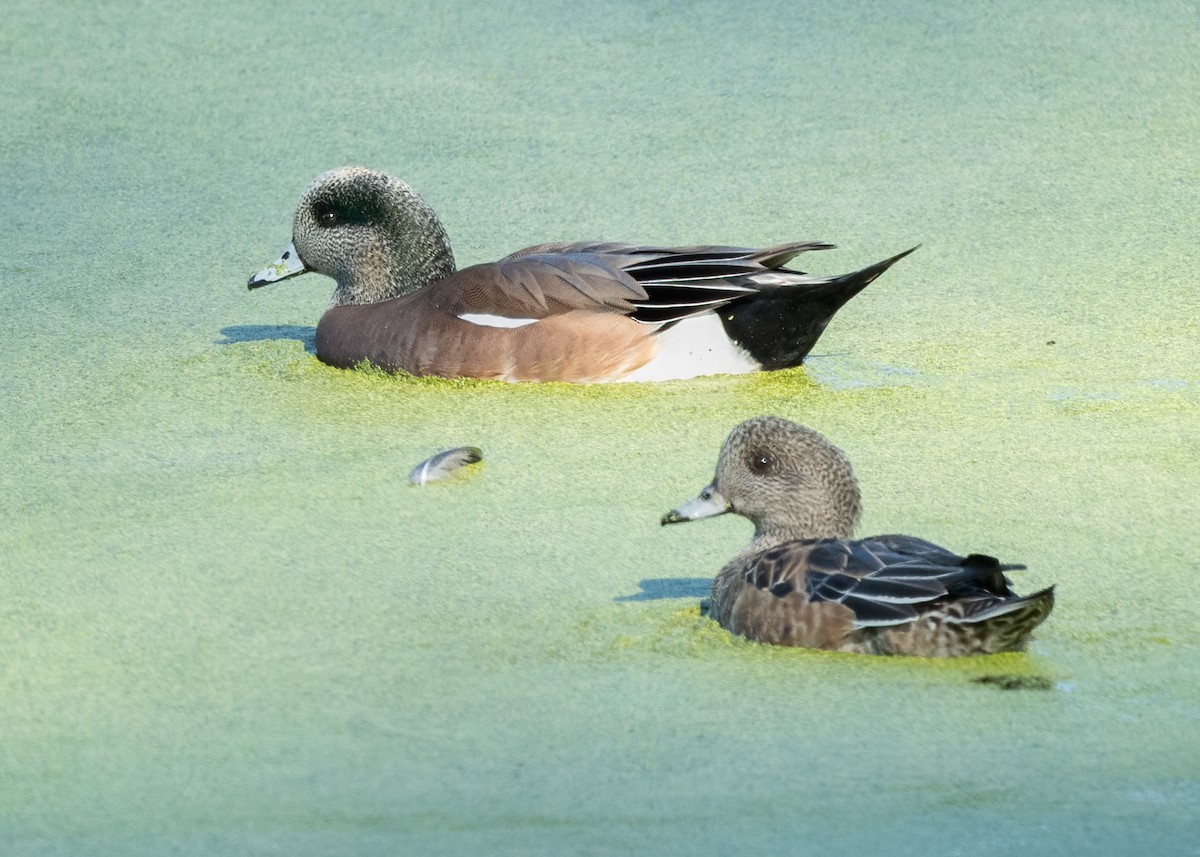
(656, 286)
(883, 580)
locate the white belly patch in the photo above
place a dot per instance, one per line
(692, 347)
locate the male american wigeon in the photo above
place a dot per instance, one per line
(804, 581)
(582, 312)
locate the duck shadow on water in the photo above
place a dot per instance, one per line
(655, 588)
(305, 334)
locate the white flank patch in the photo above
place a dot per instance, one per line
(484, 320)
(695, 346)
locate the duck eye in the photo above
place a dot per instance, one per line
(325, 215)
(760, 462)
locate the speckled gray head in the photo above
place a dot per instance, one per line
(788, 480)
(370, 232)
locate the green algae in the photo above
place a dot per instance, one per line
(229, 625)
(1007, 681)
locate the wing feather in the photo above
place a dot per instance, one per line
(653, 285)
(882, 580)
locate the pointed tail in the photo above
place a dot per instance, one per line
(1007, 624)
(846, 286)
(781, 324)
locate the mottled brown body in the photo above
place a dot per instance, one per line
(939, 631)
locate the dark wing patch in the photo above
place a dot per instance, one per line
(774, 258)
(690, 281)
(779, 570)
(672, 270)
(681, 286)
(668, 302)
(883, 580)
(653, 285)
(783, 588)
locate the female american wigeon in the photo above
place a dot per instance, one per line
(555, 312)
(803, 580)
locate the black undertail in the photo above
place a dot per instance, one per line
(779, 325)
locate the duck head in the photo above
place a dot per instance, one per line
(788, 480)
(370, 232)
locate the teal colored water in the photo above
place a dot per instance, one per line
(228, 624)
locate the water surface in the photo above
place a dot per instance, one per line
(229, 625)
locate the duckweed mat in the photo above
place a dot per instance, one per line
(228, 624)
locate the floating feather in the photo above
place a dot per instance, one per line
(444, 464)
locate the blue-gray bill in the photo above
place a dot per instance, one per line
(287, 265)
(445, 464)
(709, 504)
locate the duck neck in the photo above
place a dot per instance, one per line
(823, 522)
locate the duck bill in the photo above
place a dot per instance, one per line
(287, 265)
(709, 504)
